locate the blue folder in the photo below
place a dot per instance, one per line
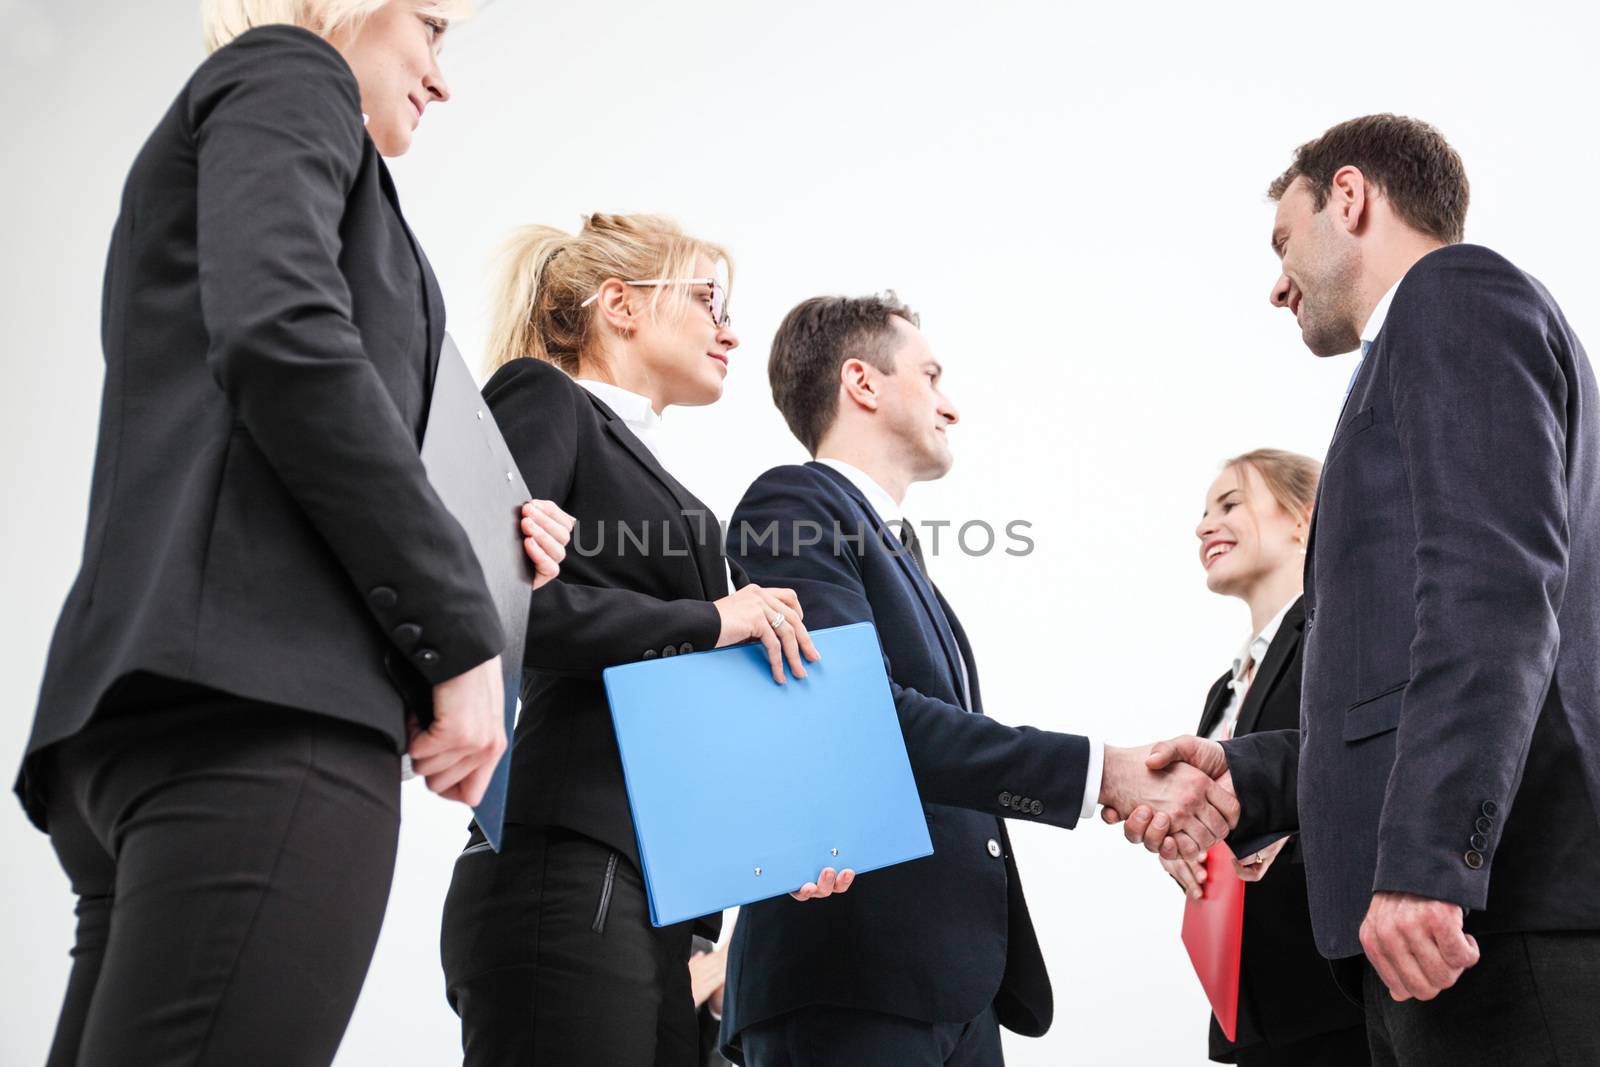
(743, 789)
(470, 467)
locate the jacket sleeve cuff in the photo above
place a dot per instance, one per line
(1433, 871)
(1093, 780)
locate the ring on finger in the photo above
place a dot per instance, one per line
(777, 620)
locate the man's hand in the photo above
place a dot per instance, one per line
(1416, 944)
(1148, 824)
(458, 752)
(546, 529)
(1173, 798)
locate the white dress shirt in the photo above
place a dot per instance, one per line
(888, 509)
(636, 412)
(639, 415)
(1369, 333)
(1245, 666)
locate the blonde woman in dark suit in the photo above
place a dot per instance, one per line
(216, 752)
(1252, 541)
(548, 950)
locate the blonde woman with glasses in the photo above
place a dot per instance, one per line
(549, 955)
(216, 750)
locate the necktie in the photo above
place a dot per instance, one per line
(1366, 346)
(1241, 688)
(908, 538)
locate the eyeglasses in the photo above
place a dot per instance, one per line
(719, 295)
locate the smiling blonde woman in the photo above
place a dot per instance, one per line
(216, 750)
(1252, 540)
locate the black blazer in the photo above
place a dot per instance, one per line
(1451, 710)
(1287, 992)
(642, 568)
(259, 518)
(940, 938)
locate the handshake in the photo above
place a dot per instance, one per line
(1175, 797)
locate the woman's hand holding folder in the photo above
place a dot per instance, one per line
(773, 617)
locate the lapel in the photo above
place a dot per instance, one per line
(432, 298)
(705, 549)
(1309, 575)
(1279, 653)
(913, 574)
(1216, 705)
(1316, 507)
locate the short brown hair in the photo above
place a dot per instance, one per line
(1409, 161)
(812, 343)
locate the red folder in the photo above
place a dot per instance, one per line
(1213, 929)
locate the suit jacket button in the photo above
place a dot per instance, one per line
(1490, 808)
(649, 653)
(1479, 843)
(427, 657)
(670, 650)
(994, 848)
(1005, 799)
(383, 598)
(1483, 825)
(407, 634)
(686, 647)
(1037, 807)
(1017, 802)
(1474, 859)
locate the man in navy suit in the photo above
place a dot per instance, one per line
(921, 963)
(1450, 721)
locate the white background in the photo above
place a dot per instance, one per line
(1073, 196)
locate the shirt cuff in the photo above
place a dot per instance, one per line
(1091, 781)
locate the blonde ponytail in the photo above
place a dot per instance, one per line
(544, 274)
(520, 301)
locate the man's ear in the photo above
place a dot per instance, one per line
(859, 382)
(1351, 197)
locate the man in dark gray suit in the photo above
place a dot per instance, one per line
(1451, 711)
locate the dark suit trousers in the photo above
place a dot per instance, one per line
(848, 1037)
(232, 862)
(1530, 1001)
(1336, 1048)
(550, 958)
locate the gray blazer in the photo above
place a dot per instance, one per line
(1450, 720)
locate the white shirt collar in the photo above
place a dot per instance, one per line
(1255, 649)
(876, 495)
(635, 411)
(1369, 332)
